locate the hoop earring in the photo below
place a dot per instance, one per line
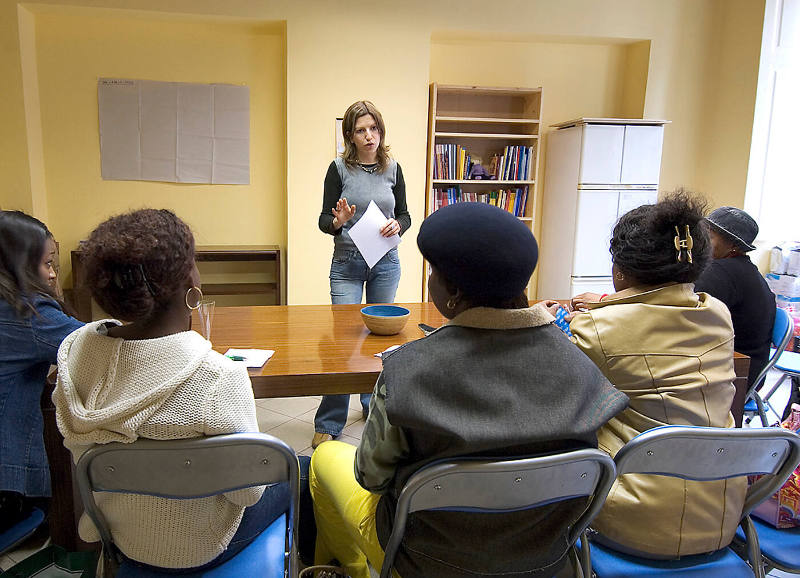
(619, 276)
(451, 303)
(199, 299)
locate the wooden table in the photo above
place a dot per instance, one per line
(319, 349)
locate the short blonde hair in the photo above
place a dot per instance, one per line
(351, 115)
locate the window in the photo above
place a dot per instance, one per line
(773, 178)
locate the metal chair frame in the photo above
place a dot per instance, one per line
(782, 331)
(189, 468)
(705, 454)
(503, 485)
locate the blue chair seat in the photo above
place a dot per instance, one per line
(608, 563)
(264, 556)
(751, 406)
(779, 546)
(19, 532)
(789, 362)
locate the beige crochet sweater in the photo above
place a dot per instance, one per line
(116, 390)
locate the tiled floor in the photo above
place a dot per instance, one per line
(292, 420)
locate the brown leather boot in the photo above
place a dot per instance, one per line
(320, 438)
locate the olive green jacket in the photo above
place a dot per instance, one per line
(670, 350)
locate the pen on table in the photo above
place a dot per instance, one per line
(236, 357)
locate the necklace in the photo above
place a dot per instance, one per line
(368, 168)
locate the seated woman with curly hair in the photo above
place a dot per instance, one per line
(154, 378)
(671, 351)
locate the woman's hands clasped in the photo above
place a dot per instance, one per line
(342, 213)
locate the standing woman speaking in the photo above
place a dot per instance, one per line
(363, 173)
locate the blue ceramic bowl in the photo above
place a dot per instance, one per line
(385, 319)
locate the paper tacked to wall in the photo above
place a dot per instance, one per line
(174, 131)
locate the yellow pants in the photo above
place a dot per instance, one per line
(344, 511)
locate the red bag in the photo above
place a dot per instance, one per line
(782, 510)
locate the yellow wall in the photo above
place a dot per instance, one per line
(69, 64)
(730, 100)
(15, 181)
(335, 53)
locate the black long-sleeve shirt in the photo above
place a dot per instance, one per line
(737, 282)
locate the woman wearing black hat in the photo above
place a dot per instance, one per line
(733, 279)
(499, 379)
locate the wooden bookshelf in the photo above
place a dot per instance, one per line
(483, 120)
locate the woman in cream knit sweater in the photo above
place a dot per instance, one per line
(154, 378)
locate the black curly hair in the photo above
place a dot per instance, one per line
(643, 241)
(136, 262)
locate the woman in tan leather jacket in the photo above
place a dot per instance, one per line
(671, 351)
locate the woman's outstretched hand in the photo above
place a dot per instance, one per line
(580, 301)
(342, 212)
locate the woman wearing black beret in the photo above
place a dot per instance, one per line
(472, 387)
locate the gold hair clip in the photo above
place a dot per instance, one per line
(683, 244)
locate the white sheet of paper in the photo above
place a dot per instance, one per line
(252, 357)
(366, 234)
(174, 131)
(380, 354)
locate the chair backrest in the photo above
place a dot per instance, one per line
(782, 331)
(706, 453)
(189, 468)
(504, 485)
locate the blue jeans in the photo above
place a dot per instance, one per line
(349, 274)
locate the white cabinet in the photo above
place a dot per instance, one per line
(620, 154)
(597, 170)
(599, 285)
(601, 153)
(597, 213)
(641, 155)
(631, 199)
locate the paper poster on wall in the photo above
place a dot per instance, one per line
(177, 132)
(339, 137)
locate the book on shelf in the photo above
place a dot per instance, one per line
(451, 162)
(512, 200)
(514, 164)
(454, 162)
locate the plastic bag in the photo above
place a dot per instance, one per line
(782, 510)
